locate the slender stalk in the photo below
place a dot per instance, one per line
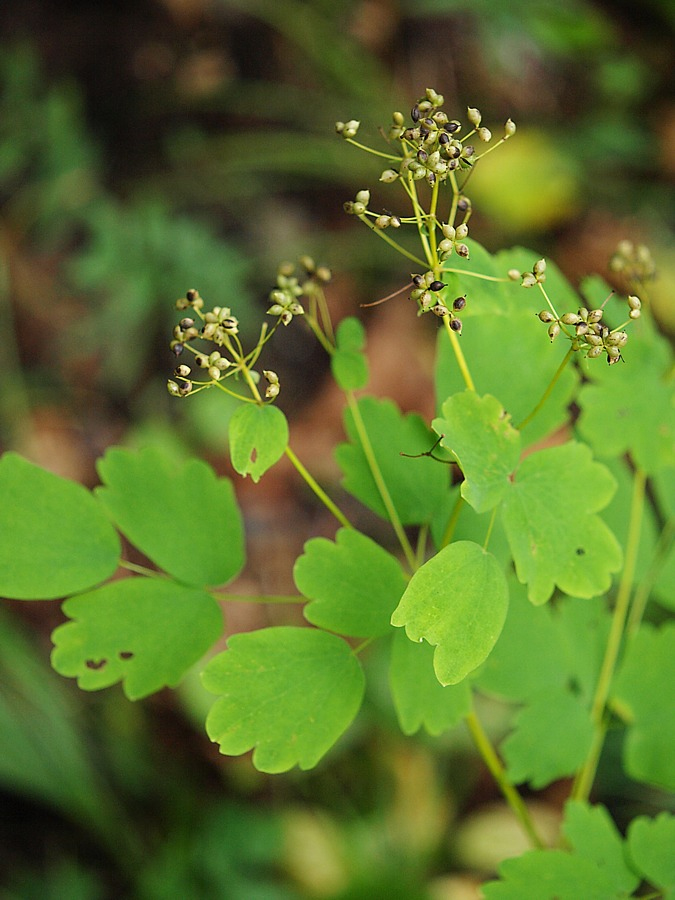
(380, 483)
(392, 243)
(318, 490)
(493, 517)
(584, 781)
(473, 274)
(459, 356)
(547, 393)
(389, 156)
(641, 596)
(140, 570)
(452, 522)
(511, 795)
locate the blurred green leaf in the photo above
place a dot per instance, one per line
(650, 849)
(415, 485)
(182, 517)
(348, 364)
(146, 632)
(287, 693)
(593, 835)
(54, 539)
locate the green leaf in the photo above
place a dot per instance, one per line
(639, 696)
(289, 693)
(650, 849)
(457, 601)
(552, 736)
(258, 439)
(554, 534)
(54, 538)
(146, 632)
(478, 432)
(616, 416)
(509, 353)
(594, 836)
(416, 486)
(348, 364)
(419, 699)
(354, 584)
(550, 875)
(183, 518)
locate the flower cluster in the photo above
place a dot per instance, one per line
(425, 292)
(633, 263)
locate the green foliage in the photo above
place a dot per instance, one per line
(287, 692)
(526, 592)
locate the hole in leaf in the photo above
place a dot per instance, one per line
(254, 455)
(126, 654)
(96, 663)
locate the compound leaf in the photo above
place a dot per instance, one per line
(419, 699)
(650, 850)
(594, 836)
(258, 439)
(54, 538)
(348, 364)
(354, 584)
(550, 875)
(478, 432)
(639, 697)
(146, 632)
(457, 602)
(185, 519)
(416, 486)
(555, 536)
(287, 693)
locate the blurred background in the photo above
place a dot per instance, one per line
(152, 146)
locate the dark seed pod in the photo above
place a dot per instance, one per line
(418, 280)
(459, 303)
(177, 348)
(452, 127)
(187, 323)
(422, 156)
(436, 286)
(191, 295)
(415, 113)
(463, 204)
(456, 325)
(444, 139)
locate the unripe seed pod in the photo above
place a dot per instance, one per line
(462, 250)
(184, 388)
(389, 176)
(553, 331)
(582, 328)
(418, 280)
(634, 302)
(191, 334)
(583, 312)
(222, 363)
(395, 222)
(209, 330)
(272, 391)
(436, 286)
(456, 324)
(182, 303)
(275, 310)
(187, 323)
(398, 119)
(172, 388)
(359, 208)
(474, 116)
(214, 373)
(613, 352)
(382, 221)
(528, 280)
(415, 114)
(546, 316)
(427, 300)
(323, 274)
(571, 319)
(593, 340)
(446, 246)
(453, 126)
(468, 151)
(539, 267)
(514, 274)
(594, 352)
(448, 231)
(485, 134)
(462, 231)
(363, 197)
(509, 128)
(464, 204)
(634, 314)
(181, 371)
(440, 310)
(459, 303)
(177, 348)
(594, 316)
(202, 361)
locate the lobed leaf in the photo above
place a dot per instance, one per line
(287, 693)
(457, 602)
(348, 364)
(549, 514)
(353, 584)
(419, 699)
(145, 632)
(550, 875)
(258, 438)
(54, 538)
(478, 432)
(593, 835)
(183, 518)
(416, 486)
(650, 850)
(641, 698)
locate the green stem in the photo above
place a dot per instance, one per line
(380, 482)
(511, 795)
(547, 393)
(474, 274)
(318, 490)
(452, 522)
(661, 552)
(140, 570)
(584, 781)
(392, 243)
(389, 156)
(459, 356)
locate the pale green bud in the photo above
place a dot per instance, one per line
(474, 116)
